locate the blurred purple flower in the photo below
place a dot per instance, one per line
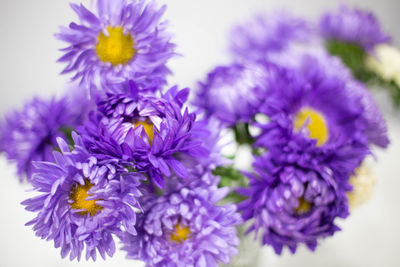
(269, 33)
(185, 228)
(120, 40)
(354, 26)
(83, 201)
(329, 66)
(30, 134)
(232, 93)
(317, 105)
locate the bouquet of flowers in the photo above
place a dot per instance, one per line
(123, 157)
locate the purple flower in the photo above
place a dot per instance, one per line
(376, 129)
(120, 40)
(30, 134)
(154, 132)
(354, 26)
(83, 201)
(269, 33)
(185, 228)
(293, 199)
(315, 104)
(232, 93)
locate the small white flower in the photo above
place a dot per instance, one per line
(363, 183)
(386, 63)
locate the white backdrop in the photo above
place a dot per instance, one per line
(28, 52)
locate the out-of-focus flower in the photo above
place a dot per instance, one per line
(293, 199)
(334, 68)
(386, 63)
(306, 104)
(30, 134)
(154, 132)
(83, 201)
(354, 26)
(268, 34)
(120, 40)
(233, 93)
(363, 183)
(185, 228)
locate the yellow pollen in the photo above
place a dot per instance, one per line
(148, 128)
(181, 233)
(304, 206)
(315, 123)
(79, 195)
(115, 48)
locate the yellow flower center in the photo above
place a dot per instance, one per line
(304, 206)
(315, 123)
(79, 194)
(180, 234)
(148, 128)
(115, 48)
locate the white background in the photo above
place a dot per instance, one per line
(28, 52)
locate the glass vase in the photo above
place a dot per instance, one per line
(249, 250)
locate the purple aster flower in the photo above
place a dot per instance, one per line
(231, 93)
(83, 201)
(185, 228)
(333, 69)
(120, 40)
(30, 134)
(293, 199)
(154, 132)
(269, 33)
(354, 26)
(314, 103)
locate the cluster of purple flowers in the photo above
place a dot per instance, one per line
(126, 159)
(321, 122)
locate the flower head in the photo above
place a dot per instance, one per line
(269, 33)
(354, 26)
(30, 134)
(232, 93)
(185, 228)
(313, 103)
(120, 40)
(293, 199)
(386, 63)
(363, 184)
(154, 132)
(83, 201)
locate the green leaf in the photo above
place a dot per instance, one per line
(67, 131)
(353, 56)
(242, 133)
(232, 178)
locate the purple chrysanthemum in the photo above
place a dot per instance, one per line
(324, 109)
(333, 67)
(354, 26)
(154, 132)
(293, 199)
(185, 228)
(121, 40)
(232, 93)
(83, 201)
(269, 33)
(30, 134)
